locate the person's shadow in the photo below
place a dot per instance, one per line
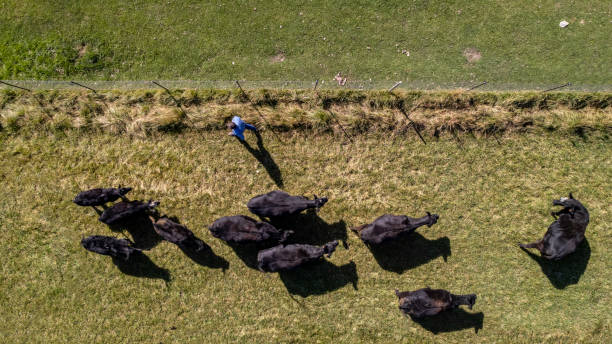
(409, 251)
(452, 320)
(320, 277)
(263, 156)
(567, 270)
(309, 228)
(139, 265)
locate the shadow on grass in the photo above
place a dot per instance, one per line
(409, 251)
(206, 257)
(452, 320)
(263, 156)
(141, 230)
(139, 265)
(317, 278)
(248, 252)
(309, 228)
(568, 270)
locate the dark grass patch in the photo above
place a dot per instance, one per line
(51, 58)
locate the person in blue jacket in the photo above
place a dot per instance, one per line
(237, 127)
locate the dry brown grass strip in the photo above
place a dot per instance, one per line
(145, 112)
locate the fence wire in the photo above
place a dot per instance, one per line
(301, 84)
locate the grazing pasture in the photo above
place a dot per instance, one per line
(489, 197)
(491, 167)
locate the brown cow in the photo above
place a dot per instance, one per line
(96, 197)
(125, 210)
(283, 258)
(388, 227)
(109, 246)
(279, 203)
(566, 232)
(427, 302)
(244, 229)
(177, 234)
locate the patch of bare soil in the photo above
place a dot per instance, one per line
(278, 58)
(472, 55)
(81, 49)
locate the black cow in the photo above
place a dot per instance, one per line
(427, 302)
(243, 229)
(109, 246)
(566, 232)
(177, 234)
(279, 203)
(389, 227)
(124, 210)
(283, 258)
(96, 197)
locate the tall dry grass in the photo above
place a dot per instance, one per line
(143, 112)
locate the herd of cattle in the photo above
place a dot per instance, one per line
(562, 237)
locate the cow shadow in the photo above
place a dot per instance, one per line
(248, 252)
(140, 228)
(265, 159)
(409, 251)
(139, 265)
(568, 270)
(452, 320)
(207, 257)
(309, 228)
(317, 278)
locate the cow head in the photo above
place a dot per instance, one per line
(88, 243)
(123, 191)
(330, 247)
(194, 244)
(319, 202)
(284, 236)
(433, 219)
(152, 204)
(569, 204)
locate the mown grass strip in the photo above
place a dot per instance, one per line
(502, 41)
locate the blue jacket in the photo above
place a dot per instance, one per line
(240, 126)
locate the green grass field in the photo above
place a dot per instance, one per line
(492, 164)
(489, 197)
(520, 43)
